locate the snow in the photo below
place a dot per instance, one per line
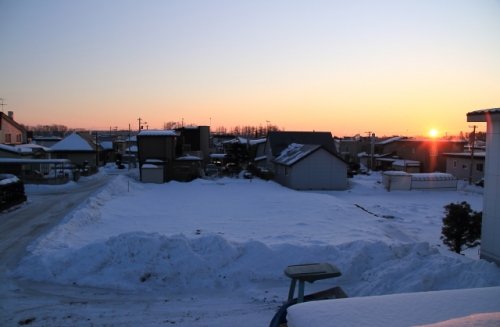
(219, 246)
(8, 179)
(408, 309)
(294, 152)
(72, 142)
(158, 133)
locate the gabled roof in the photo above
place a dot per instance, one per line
(281, 140)
(295, 152)
(5, 117)
(75, 142)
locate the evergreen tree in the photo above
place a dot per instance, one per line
(461, 226)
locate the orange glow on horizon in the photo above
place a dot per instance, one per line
(433, 133)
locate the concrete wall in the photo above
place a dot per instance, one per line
(459, 167)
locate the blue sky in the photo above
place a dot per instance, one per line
(392, 67)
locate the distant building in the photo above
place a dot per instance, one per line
(462, 165)
(10, 131)
(429, 152)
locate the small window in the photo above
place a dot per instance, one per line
(479, 167)
(18, 138)
(464, 166)
(8, 138)
(454, 164)
(286, 171)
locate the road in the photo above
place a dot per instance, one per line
(21, 226)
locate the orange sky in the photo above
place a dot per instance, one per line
(388, 67)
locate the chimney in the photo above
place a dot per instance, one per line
(10, 114)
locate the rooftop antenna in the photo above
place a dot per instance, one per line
(2, 104)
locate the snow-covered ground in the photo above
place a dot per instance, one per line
(215, 250)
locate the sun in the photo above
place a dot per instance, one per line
(433, 133)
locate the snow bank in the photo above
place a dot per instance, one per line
(181, 264)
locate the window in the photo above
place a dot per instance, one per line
(479, 167)
(8, 138)
(464, 166)
(454, 164)
(286, 171)
(18, 138)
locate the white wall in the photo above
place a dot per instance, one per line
(490, 238)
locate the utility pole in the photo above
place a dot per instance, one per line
(372, 148)
(472, 145)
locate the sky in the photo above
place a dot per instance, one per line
(349, 67)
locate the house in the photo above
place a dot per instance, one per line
(464, 165)
(157, 150)
(490, 242)
(310, 167)
(80, 149)
(194, 141)
(278, 141)
(10, 131)
(429, 152)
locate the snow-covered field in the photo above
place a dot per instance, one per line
(216, 249)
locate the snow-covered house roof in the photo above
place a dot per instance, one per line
(279, 141)
(189, 158)
(477, 154)
(390, 140)
(74, 142)
(32, 146)
(406, 163)
(9, 148)
(106, 145)
(152, 132)
(295, 152)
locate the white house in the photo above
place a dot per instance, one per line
(490, 240)
(310, 167)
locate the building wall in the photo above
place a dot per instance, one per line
(318, 171)
(428, 152)
(77, 158)
(490, 240)
(460, 168)
(10, 134)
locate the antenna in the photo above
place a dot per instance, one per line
(2, 104)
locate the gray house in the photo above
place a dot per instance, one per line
(310, 167)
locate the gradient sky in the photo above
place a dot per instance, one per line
(390, 67)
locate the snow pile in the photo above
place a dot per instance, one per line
(8, 179)
(235, 236)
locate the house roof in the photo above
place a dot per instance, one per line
(281, 140)
(390, 140)
(478, 154)
(480, 115)
(5, 117)
(295, 152)
(75, 142)
(158, 133)
(10, 148)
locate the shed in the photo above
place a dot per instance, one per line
(152, 173)
(310, 167)
(400, 180)
(396, 180)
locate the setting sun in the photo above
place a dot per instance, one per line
(433, 133)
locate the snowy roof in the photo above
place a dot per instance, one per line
(295, 152)
(151, 132)
(9, 148)
(258, 141)
(149, 166)
(260, 158)
(432, 177)
(480, 115)
(189, 158)
(33, 161)
(33, 146)
(406, 163)
(8, 179)
(217, 155)
(73, 142)
(281, 140)
(395, 173)
(390, 140)
(107, 145)
(478, 154)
